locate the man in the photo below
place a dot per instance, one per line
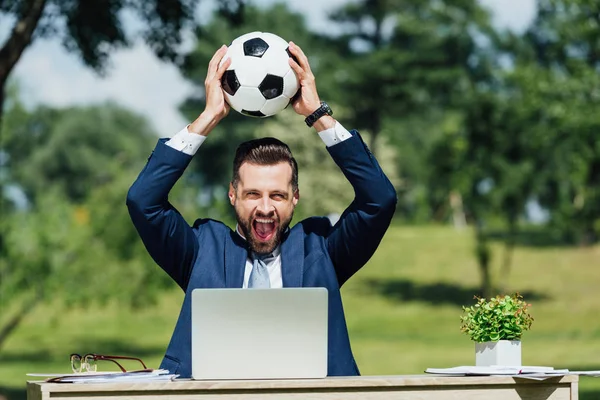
(264, 192)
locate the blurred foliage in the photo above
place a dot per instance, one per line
(407, 57)
(93, 29)
(73, 150)
(69, 231)
(564, 44)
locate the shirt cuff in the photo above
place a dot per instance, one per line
(335, 135)
(186, 142)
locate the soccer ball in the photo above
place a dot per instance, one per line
(259, 82)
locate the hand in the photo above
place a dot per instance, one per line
(307, 101)
(216, 107)
(215, 99)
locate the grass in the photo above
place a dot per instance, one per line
(402, 311)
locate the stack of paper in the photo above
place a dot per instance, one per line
(525, 372)
(114, 377)
(497, 370)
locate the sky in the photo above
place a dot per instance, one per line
(136, 79)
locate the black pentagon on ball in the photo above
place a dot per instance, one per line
(271, 86)
(229, 82)
(253, 113)
(255, 47)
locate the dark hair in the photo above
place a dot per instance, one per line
(264, 151)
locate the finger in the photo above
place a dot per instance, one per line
(222, 68)
(297, 68)
(302, 59)
(215, 60)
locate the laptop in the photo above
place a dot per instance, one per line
(259, 333)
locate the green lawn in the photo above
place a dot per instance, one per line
(402, 310)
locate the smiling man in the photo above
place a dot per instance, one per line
(264, 192)
(263, 251)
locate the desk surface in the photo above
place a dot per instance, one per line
(422, 387)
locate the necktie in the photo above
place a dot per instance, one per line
(259, 277)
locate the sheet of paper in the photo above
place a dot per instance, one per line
(113, 379)
(586, 373)
(98, 377)
(496, 370)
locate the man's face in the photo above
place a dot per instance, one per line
(264, 204)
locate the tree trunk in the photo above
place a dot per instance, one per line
(17, 42)
(509, 248)
(483, 253)
(458, 214)
(13, 323)
(2, 96)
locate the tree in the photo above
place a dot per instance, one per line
(75, 237)
(72, 149)
(408, 71)
(404, 56)
(530, 138)
(565, 41)
(92, 29)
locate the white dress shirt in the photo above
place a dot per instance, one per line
(273, 268)
(189, 143)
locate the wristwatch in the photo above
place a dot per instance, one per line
(324, 109)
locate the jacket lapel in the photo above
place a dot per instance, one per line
(292, 258)
(235, 260)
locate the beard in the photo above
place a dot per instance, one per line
(259, 246)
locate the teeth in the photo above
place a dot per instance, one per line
(264, 221)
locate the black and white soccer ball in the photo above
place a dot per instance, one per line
(259, 82)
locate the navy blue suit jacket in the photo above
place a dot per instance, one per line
(313, 253)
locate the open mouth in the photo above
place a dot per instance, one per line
(264, 228)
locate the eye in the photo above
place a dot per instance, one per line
(278, 196)
(252, 195)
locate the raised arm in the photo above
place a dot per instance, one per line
(169, 239)
(355, 237)
(357, 234)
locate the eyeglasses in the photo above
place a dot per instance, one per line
(87, 363)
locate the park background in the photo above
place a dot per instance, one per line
(481, 112)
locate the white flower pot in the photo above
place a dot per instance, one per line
(502, 352)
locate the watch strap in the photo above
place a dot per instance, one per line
(323, 109)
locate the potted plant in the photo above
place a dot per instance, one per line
(496, 327)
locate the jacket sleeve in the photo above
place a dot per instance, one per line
(355, 237)
(168, 238)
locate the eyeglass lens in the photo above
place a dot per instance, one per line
(90, 363)
(76, 363)
(79, 364)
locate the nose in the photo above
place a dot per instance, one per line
(265, 206)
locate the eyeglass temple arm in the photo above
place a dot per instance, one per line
(109, 358)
